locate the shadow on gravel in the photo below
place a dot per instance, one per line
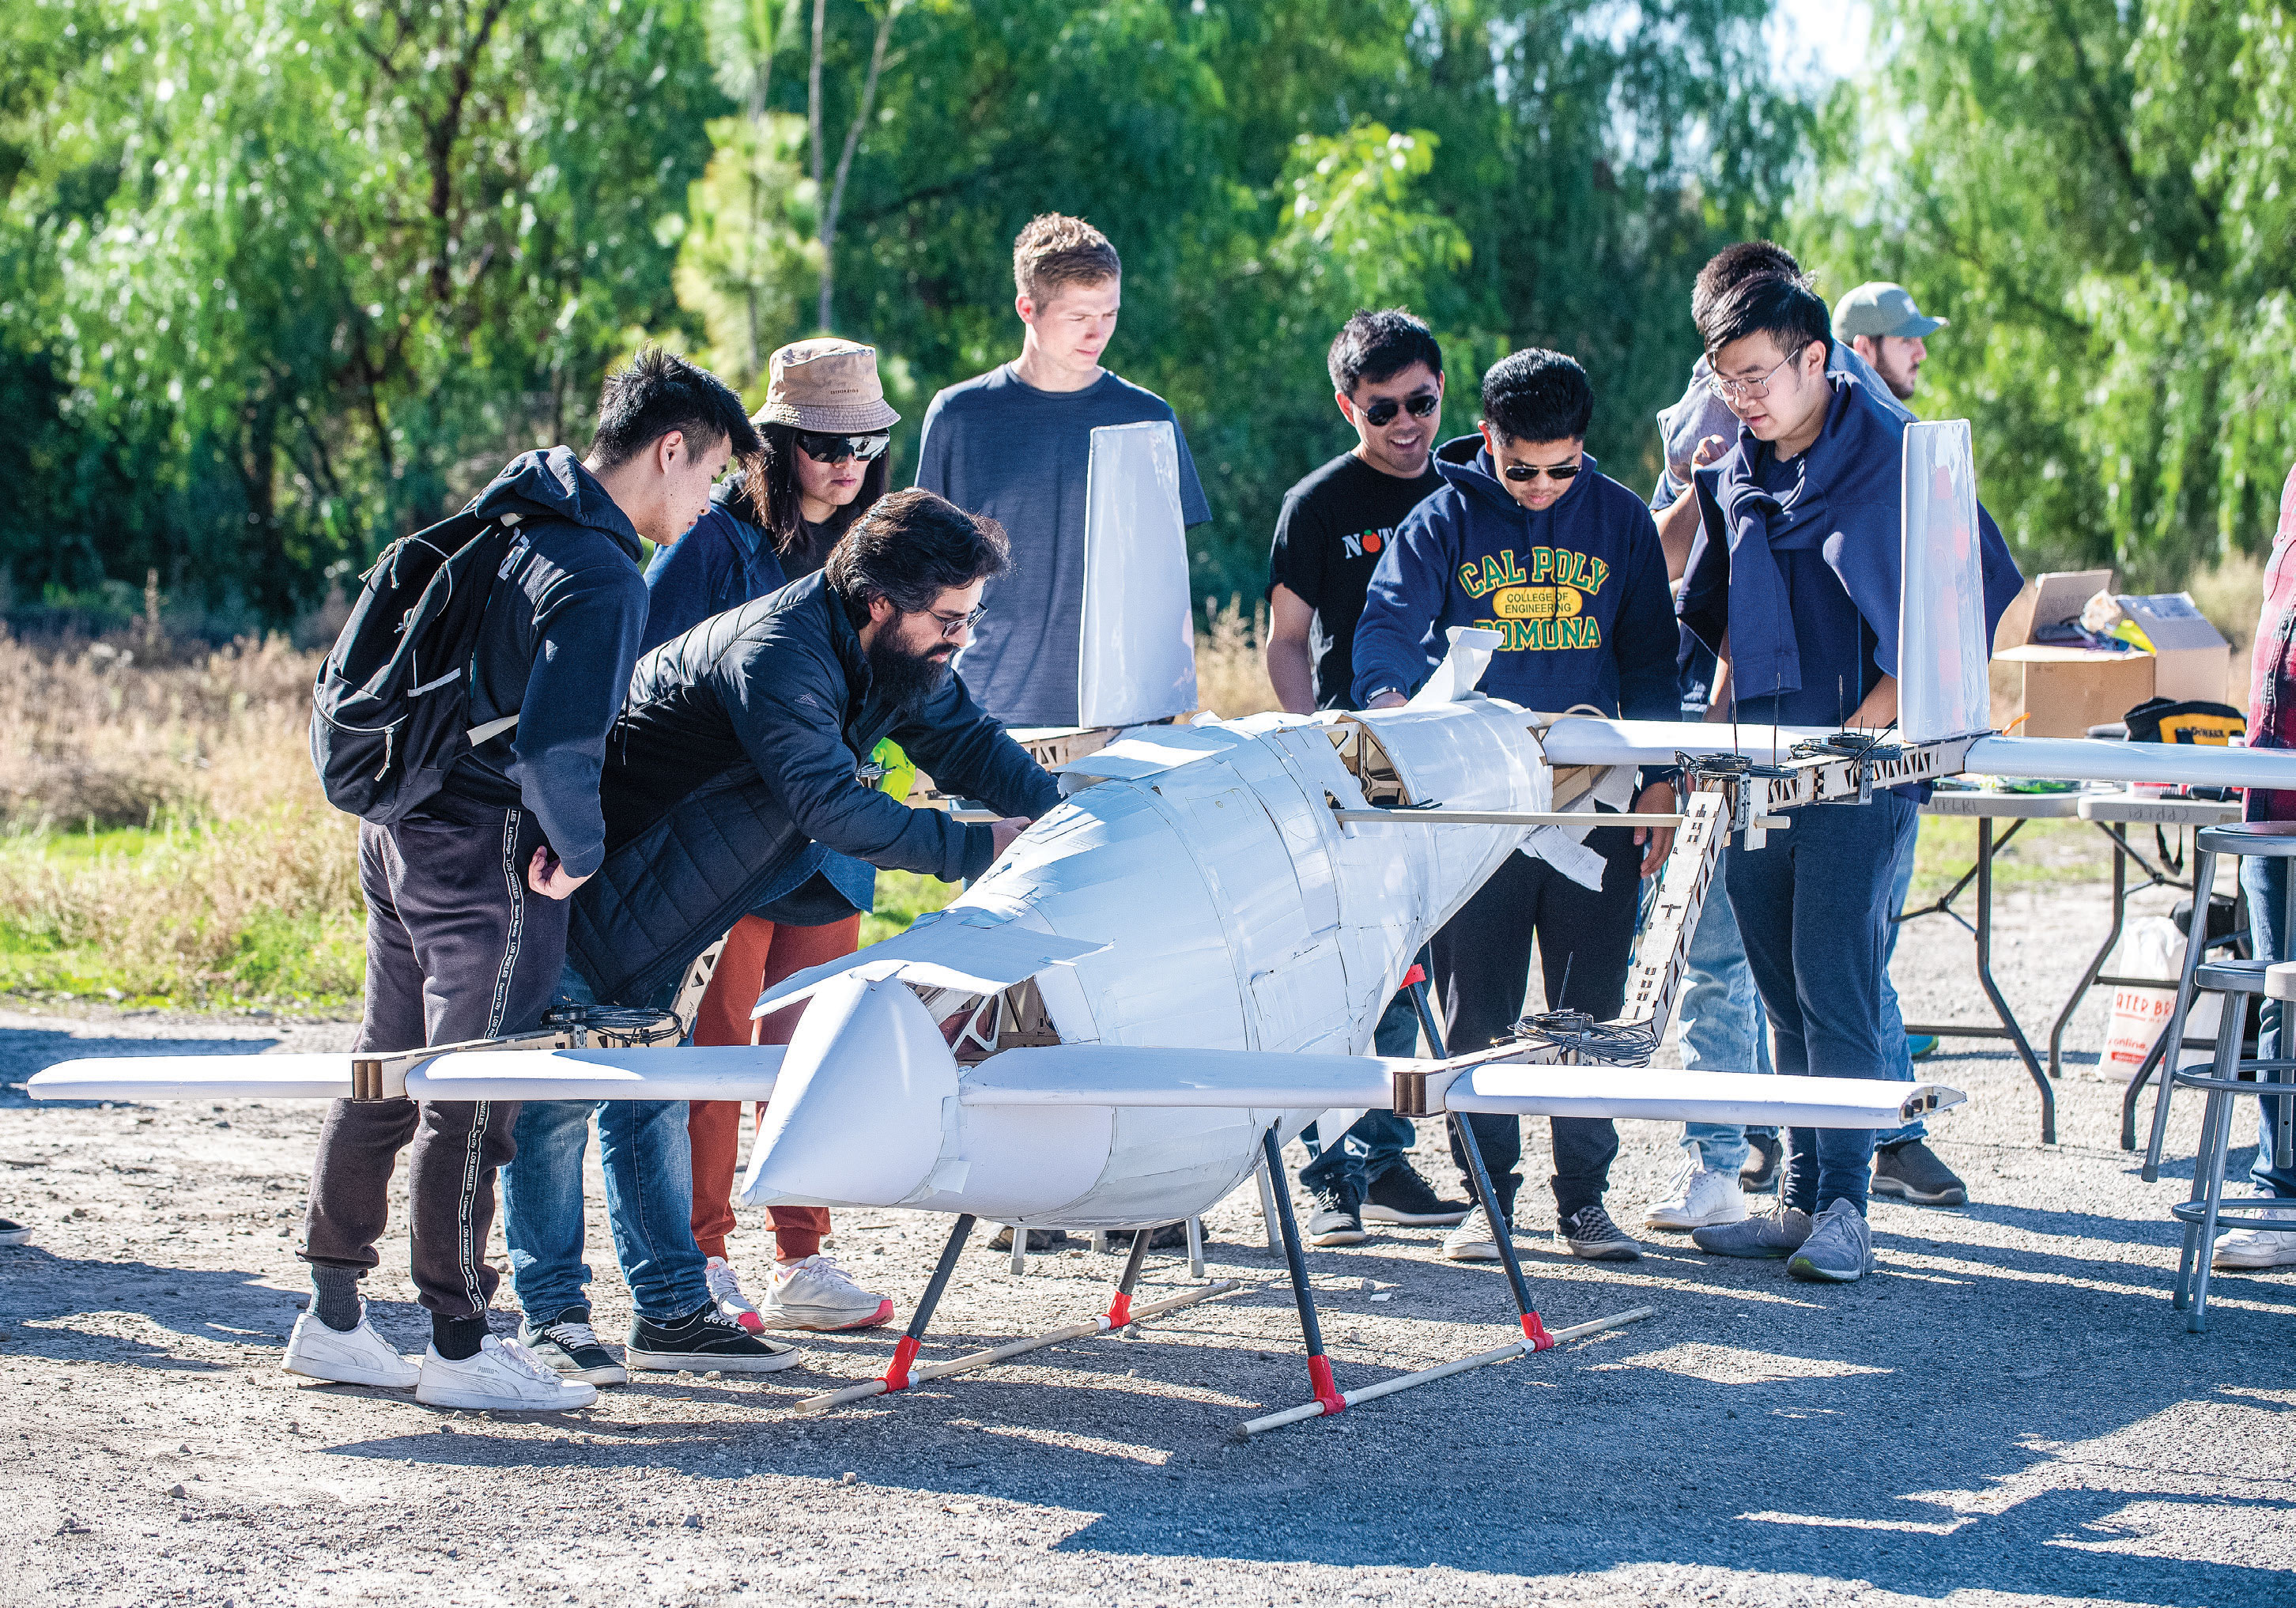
(42, 1294)
(24, 1051)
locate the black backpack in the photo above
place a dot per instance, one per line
(390, 711)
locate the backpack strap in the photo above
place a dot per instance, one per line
(493, 728)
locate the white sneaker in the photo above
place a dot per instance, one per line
(505, 1377)
(726, 1290)
(1701, 1197)
(347, 1356)
(2255, 1248)
(816, 1293)
(1470, 1241)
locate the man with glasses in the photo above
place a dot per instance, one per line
(1794, 581)
(1387, 377)
(1526, 538)
(1015, 444)
(742, 757)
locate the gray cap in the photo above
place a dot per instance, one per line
(1881, 309)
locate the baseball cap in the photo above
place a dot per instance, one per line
(827, 385)
(1879, 308)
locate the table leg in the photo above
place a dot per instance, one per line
(1993, 989)
(2088, 976)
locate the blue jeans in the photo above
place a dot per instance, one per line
(648, 1170)
(1722, 1028)
(2266, 884)
(1375, 1144)
(1812, 905)
(1894, 1021)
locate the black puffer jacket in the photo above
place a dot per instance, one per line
(739, 754)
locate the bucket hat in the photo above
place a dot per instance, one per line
(826, 385)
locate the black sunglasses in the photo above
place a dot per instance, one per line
(1552, 472)
(1381, 413)
(836, 449)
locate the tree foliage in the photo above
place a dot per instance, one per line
(282, 278)
(2099, 194)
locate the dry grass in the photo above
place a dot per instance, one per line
(1231, 667)
(165, 838)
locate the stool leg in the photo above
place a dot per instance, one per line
(2216, 1141)
(2172, 1036)
(2210, 1111)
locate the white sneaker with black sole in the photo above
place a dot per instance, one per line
(347, 1355)
(503, 1378)
(817, 1294)
(568, 1347)
(1590, 1234)
(1701, 1197)
(704, 1339)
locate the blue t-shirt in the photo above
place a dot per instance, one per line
(998, 445)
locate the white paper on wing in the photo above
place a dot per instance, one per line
(1942, 646)
(1138, 658)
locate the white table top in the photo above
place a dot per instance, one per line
(2122, 807)
(2000, 806)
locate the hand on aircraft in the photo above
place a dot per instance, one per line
(1001, 834)
(1655, 841)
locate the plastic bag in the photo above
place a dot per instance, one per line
(2151, 947)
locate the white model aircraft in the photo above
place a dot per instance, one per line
(1179, 967)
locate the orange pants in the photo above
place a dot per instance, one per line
(758, 955)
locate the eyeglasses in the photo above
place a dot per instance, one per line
(1557, 472)
(951, 624)
(836, 449)
(1743, 390)
(1381, 413)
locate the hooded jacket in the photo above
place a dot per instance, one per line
(555, 648)
(738, 760)
(1578, 590)
(1807, 582)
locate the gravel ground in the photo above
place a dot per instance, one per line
(2007, 1411)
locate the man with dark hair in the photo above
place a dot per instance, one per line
(742, 755)
(1387, 377)
(1880, 322)
(1527, 540)
(456, 949)
(1016, 444)
(1794, 581)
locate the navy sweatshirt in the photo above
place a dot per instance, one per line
(556, 648)
(1579, 591)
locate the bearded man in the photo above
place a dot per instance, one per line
(743, 754)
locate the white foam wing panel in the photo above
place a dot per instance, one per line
(1680, 1096)
(195, 1078)
(1123, 1074)
(744, 1072)
(1942, 643)
(1138, 660)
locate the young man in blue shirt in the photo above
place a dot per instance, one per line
(1526, 538)
(1794, 580)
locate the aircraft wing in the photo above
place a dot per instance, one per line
(1124, 1075)
(1668, 1096)
(976, 950)
(734, 1072)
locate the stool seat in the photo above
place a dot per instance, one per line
(2256, 839)
(2280, 980)
(2233, 976)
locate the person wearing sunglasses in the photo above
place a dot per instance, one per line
(1794, 581)
(1386, 378)
(820, 466)
(1528, 538)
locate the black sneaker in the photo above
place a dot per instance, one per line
(570, 1347)
(1400, 1195)
(703, 1339)
(1339, 1218)
(1590, 1234)
(1040, 1240)
(1760, 1171)
(1911, 1172)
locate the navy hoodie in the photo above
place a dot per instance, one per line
(1578, 590)
(1806, 578)
(556, 648)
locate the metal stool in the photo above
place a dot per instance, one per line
(2269, 840)
(2231, 1076)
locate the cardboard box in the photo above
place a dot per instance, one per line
(2063, 691)
(2191, 658)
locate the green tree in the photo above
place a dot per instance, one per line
(2098, 195)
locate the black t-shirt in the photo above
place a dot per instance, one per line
(1335, 524)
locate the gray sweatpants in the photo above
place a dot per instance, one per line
(457, 948)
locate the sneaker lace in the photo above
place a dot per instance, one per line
(569, 1337)
(519, 1357)
(823, 1268)
(724, 1283)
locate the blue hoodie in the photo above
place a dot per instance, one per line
(1578, 590)
(1806, 578)
(556, 648)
